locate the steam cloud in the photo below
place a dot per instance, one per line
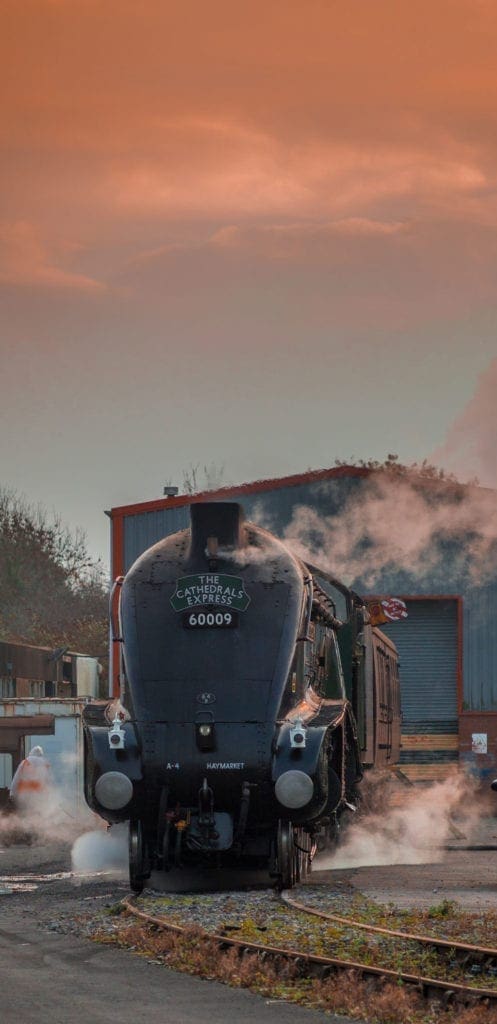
(55, 819)
(471, 444)
(51, 818)
(403, 524)
(102, 851)
(408, 826)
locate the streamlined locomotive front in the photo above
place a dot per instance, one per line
(214, 750)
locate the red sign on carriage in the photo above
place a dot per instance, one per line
(387, 609)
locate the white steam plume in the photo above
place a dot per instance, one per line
(51, 817)
(471, 444)
(55, 820)
(412, 825)
(408, 524)
(102, 851)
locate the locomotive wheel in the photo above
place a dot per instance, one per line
(303, 850)
(286, 855)
(136, 856)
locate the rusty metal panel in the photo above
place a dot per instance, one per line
(45, 706)
(28, 723)
(26, 662)
(35, 672)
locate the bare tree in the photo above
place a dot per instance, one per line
(51, 591)
(207, 478)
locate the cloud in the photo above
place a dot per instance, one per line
(349, 273)
(274, 131)
(362, 70)
(25, 260)
(206, 169)
(280, 241)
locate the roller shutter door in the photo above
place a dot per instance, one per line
(427, 642)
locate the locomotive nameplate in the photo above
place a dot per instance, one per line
(207, 619)
(210, 589)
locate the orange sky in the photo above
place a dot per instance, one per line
(367, 109)
(182, 185)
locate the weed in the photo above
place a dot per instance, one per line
(115, 910)
(441, 910)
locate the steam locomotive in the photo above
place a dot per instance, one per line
(254, 691)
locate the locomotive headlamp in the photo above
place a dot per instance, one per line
(205, 733)
(117, 734)
(297, 735)
(113, 790)
(294, 789)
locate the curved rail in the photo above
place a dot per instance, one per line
(321, 965)
(426, 940)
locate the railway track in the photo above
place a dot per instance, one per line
(464, 951)
(315, 965)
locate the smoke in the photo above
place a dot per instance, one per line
(471, 443)
(403, 524)
(102, 851)
(412, 826)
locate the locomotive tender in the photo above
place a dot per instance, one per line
(253, 692)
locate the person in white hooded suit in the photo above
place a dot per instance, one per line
(32, 781)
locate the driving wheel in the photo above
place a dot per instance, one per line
(285, 854)
(136, 856)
